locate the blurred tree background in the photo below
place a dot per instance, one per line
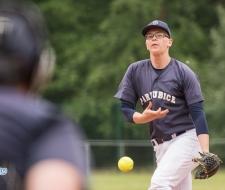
(96, 40)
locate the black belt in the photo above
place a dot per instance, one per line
(160, 141)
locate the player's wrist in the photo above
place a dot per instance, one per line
(138, 118)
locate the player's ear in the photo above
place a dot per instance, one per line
(170, 42)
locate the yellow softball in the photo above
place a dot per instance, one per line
(125, 164)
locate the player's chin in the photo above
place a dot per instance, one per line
(155, 51)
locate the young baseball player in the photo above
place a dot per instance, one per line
(170, 95)
(40, 148)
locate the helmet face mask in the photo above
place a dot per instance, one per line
(44, 69)
(25, 52)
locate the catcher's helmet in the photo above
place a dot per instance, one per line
(25, 52)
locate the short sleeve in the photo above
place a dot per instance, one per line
(126, 89)
(192, 88)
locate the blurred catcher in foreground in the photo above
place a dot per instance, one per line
(40, 148)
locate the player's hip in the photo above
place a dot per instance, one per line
(187, 142)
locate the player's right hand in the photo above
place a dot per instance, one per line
(149, 115)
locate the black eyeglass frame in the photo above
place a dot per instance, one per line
(164, 35)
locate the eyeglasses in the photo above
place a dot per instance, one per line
(157, 35)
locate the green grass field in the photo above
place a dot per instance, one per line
(115, 180)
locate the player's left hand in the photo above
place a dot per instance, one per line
(209, 163)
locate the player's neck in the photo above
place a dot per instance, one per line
(160, 62)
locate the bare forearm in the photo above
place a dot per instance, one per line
(204, 142)
(138, 119)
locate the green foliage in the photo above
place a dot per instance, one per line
(190, 27)
(215, 91)
(95, 42)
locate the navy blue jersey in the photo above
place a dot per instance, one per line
(174, 88)
(32, 130)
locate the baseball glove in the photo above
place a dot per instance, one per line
(209, 163)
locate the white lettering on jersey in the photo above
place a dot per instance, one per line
(150, 95)
(141, 101)
(147, 97)
(164, 96)
(168, 97)
(157, 94)
(160, 96)
(173, 100)
(143, 98)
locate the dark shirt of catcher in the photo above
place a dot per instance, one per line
(33, 129)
